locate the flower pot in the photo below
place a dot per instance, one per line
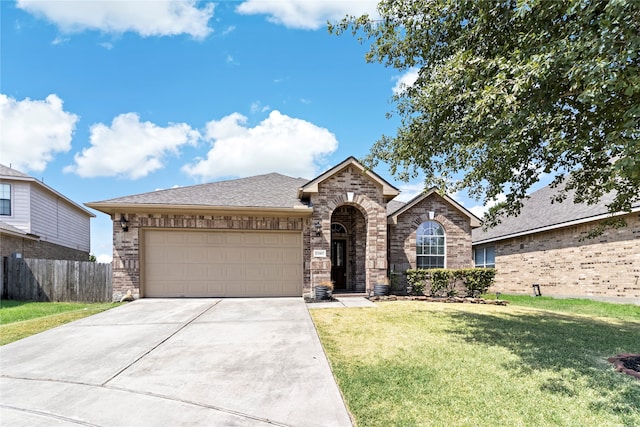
(380, 290)
(323, 292)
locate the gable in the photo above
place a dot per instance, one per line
(345, 168)
(14, 177)
(411, 205)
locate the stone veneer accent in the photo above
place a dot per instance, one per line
(369, 200)
(38, 249)
(402, 236)
(126, 254)
(604, 267)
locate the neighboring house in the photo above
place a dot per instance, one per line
(36, 221)
(546, 245)
(273, 235)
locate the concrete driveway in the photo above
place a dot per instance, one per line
(185, 362)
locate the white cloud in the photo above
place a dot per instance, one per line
(405, 80)
(277, 144)
(104, 258)
(147, 18)
(257, 107)
(307, 14)
(409, 191)
(130, 147)
(479, 210)
(59, 40)
(229, 30)
(33, 131)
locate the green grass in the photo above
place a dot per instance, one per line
(411, 363)
(20, 319)
(575, 306)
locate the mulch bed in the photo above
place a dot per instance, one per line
(467, 300)
(627, 363)
(318, 301)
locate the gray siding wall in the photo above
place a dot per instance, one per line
(20, 205)
(57, 221)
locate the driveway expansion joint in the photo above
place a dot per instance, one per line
(49, 415)
(184, 325)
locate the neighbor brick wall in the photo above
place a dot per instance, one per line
(607, 266)
(37, 249)
(368, 199)
(126, 256)
(402, 236)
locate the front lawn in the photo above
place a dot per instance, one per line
(416, 363)
(19, 319)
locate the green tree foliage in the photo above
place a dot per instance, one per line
(508, 90)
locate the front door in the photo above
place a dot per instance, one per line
(338, 264)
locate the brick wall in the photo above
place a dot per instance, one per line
(402, 236)
(38, 249)
(607, 266)
(369, 201)
(126, 256)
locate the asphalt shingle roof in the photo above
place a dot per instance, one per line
(8, 227)
(538, 212)
(263, 191)
(9, 172)
(393, 206)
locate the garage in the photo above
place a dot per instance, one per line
(196, 263)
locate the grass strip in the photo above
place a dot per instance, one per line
(37, 320)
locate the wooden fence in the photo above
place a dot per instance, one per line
(55, 280)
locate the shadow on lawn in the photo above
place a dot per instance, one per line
(10, 303)
(576, 347)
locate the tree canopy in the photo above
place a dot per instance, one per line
(509, 90)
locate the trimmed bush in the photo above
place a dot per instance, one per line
(450, 282)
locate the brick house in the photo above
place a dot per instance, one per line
(37, 221)
(273, 235)
(547, 245)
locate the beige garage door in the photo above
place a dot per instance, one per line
(222, 264)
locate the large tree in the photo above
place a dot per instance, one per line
(509, 90)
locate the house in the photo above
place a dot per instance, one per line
(36, 221)
(548, 244)
(273, 235)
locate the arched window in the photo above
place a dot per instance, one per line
(336, 227)
(430, 245)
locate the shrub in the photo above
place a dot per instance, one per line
(417, 279)
(450, 282)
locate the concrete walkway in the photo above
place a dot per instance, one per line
(193, 362)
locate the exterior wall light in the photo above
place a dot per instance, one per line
(318, 228)
(124, 223)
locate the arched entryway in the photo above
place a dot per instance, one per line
(348, 249)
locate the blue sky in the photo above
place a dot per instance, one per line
(103, 99)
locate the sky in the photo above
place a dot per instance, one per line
(103, 99)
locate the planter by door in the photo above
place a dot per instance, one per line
(380, 290)
(322, 292)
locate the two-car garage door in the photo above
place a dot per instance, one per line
(199, 263)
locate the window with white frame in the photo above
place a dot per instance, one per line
(485, 257)
(430, 245)
(5, 199)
